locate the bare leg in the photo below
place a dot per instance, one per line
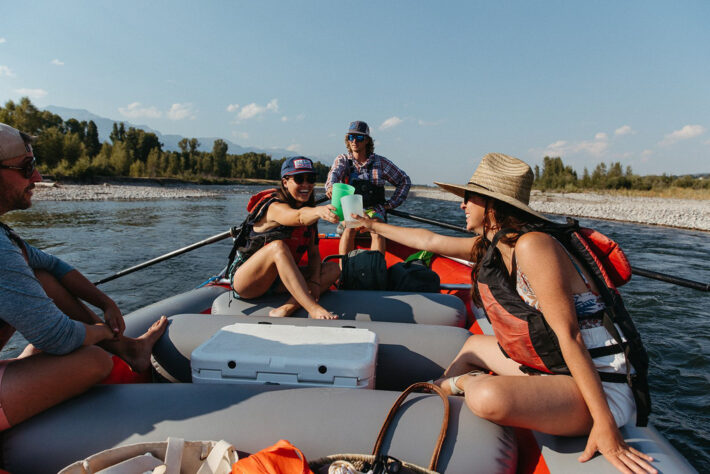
(478, 352)
(329, 272)
(254, 277)
(551, 404)
(136, 352)
(35, 383)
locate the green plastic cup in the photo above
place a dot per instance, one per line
(340, 190)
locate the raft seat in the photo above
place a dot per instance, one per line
(360, 305)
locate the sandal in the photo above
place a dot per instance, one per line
(455, 390)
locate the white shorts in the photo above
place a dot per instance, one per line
(618, 395)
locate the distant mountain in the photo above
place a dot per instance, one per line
(170, 142)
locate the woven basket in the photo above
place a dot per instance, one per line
(379, 462)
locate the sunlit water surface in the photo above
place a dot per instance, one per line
(100, 238)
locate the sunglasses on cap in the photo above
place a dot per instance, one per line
(353, 137)
(300, 178)
(27, 168)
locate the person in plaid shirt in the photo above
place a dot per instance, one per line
(368, 173)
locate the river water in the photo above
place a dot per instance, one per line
(102, 237)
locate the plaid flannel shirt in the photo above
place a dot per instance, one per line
(383, 170)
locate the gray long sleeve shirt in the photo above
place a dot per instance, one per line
(25, 306)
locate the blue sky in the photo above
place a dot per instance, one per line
(440, 83)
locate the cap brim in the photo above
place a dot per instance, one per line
(460, 190)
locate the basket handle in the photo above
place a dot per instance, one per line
(390, 416)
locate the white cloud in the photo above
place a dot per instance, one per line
(180, 112)
(6, 71)
(295, 147)
(624, 130)
(689, 131)
(297, 118)
(136, 110)
(31, 93)
(390, 122)
(3, 40)
(56, 62)
(596, 147)
(232, 107)
(253, 110)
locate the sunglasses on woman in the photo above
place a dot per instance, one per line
(300, 178)
(27, 168)
(358, 138)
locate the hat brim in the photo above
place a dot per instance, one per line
(291, 173)
(460, 190)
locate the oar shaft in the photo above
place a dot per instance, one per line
(696, 285)
(202, 243)
(407, 215)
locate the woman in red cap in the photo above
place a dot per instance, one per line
(282, 228)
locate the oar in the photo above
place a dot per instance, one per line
(174, 253)
(696, 285)
(210, 240)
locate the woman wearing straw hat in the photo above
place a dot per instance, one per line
(538, 269)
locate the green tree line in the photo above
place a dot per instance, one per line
(555, 176)
(72, 149)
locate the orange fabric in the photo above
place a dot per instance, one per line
(281, 458)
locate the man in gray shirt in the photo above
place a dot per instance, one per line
(41, 297)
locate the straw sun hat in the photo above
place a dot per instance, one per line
(501, 177)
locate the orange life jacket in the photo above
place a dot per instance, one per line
(247, 242)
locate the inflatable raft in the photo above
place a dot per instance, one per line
(418, 334)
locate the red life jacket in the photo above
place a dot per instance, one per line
(247, 242)
(524, 335)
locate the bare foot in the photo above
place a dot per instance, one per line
(322, 313)
(136, 352)
(284, 310)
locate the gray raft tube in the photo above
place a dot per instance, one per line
(319, 421)
(351, 305)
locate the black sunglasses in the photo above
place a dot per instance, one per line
(300, 178)
(359, 138)
(27, 168)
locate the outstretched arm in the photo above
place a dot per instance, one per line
(284, 214)
(423, 239)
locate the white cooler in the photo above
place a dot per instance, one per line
(288, 355)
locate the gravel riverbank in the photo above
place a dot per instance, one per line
(683, 213)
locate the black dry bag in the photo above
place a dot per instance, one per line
(363, 270)
(413, 276)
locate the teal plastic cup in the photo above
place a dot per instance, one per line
(340, 190)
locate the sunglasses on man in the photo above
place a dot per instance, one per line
(300, 178)
(353, 137)
(27, 168)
